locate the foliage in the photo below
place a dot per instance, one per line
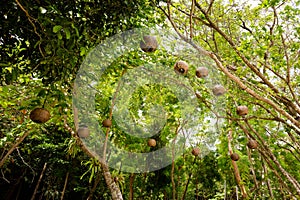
(256, 53)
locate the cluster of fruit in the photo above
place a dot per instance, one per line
(42, 115)
(84, 132)
(252, 144)
(150, 44)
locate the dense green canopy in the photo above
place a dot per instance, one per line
(242, 79)
(51, 38)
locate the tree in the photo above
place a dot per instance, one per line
(256, 48)
(250, 50)
(42, 46)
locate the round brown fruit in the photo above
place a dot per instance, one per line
(252, 144)
(196, 151)
(218, 90)
(107, 123)
(202, 72)
(39, 115)
(242, 110)
(149, 43)
(181, 67)
(151, 143)
(83, 132)
(235, 157)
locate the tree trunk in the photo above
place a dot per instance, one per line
(113, 187)
(132, 176)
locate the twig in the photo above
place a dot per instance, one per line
(268, 181)
(34, 173)
(113, 187)
(225, 189)
(233, 45)
(97, 181)
(65, 186)
(173, 164)
(30, 18)
(39, 181)
(281, 181)
(244, 26)
(110, 116)
(210, 6)
(252, 170)
(188, 181)
(191, 18)
(3, 177)
(291, 179)
(230, 75)
(186, 13)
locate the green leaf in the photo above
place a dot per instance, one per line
(59, 36)
(57, 28)
(9, 69)
(68, 34)
(82, 51)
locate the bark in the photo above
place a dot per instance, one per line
(113, 187)
(173, 166)
(186, 186)
(172, 178)
(131, 196)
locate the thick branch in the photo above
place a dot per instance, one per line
(292, 180)
(235, 167)
(231, 76)
(233, 45)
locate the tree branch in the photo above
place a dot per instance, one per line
(19, 141)
(235, 167)
(39, 181)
